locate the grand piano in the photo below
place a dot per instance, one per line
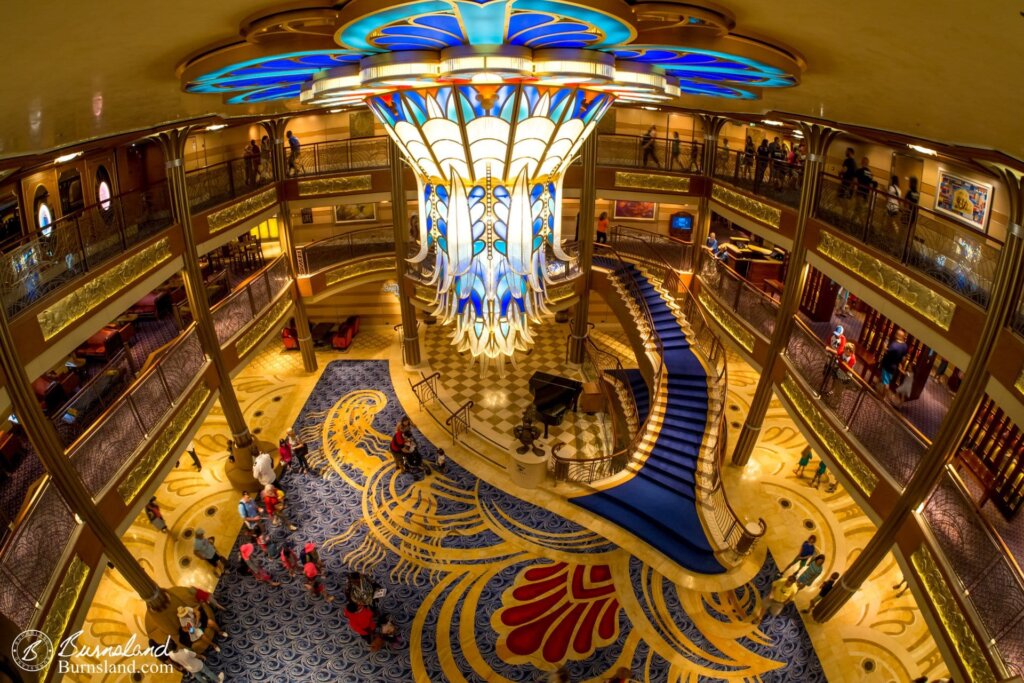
(553, 397)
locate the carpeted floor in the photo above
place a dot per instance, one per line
(483, 585)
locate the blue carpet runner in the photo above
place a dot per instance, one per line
(634, 381)
(659, 503)
(471, 583)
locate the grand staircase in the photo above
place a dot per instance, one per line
(659, 502)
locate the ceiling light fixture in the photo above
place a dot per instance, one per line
(216, 126)
(772, 122)
(65, 158)
(923, 150)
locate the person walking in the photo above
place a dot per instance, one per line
(440, 461)
(203, 548)
(314, 583)
(806, 552)
(763, 156)
(823, 590)
(781, 594)
(819, 473)
(805, 459)
(811, 572)
(311, 554)
(193, 663)
(602, 228)
(647, 143)
(891, 360)
(155, 515)
(273, 504)
(205, 598)
(266, 158)
(263, 469)
(293, 155)
(250, 514)
(361, 620)
(195, 458)
(299, 451)
(284, 451)
(252, 560)
(289, 558)
(676, 157)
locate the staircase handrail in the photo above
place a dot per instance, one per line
(344, 240)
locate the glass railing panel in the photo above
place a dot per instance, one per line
(329, 252)
(151, 400)
(231, 315)
(259, 292)
(631, 151)
(278, 277)
(675, 252)
(95, 396)
(182, 364)
(32, 554)
(749, 303)
(108, 445)
(773, 179)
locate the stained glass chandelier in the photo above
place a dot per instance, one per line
(489, 102)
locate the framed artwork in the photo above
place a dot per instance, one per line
(307, 216)
(355, 213)
(360, 124)
(629, 210)
(967, 200)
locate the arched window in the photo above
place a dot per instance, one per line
(103, 189)
(43, 214)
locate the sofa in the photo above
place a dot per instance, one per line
(102, 345)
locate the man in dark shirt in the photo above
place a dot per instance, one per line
(893, 357)
(864, 178)
(763, 155)
(848, 173)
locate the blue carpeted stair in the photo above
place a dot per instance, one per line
(635, 381)
(658, 504)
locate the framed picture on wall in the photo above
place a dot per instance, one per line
(307, 216)
(360, 124)
(355, 213)
(965, 199)
(629, 210)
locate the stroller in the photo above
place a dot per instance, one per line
(414, 464)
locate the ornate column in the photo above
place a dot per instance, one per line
(817, 138)
(712, 126)
(400, 220)
(1005, 288)
(276, 130)
(588, 201)
(173, 144)
(65, 478)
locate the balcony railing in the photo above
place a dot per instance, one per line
(677, 253)
(629, 151)
(888, 438)
(988, 577)
(93, 398)
(330, 251)
(739, 295)
(769, 178)
(245, 304)
(219, 183)
(126, 426)
(33, 266)
(954, 255)
(358, 154)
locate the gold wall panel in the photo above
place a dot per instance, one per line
(351, 270)
(900, 286)
(652, 181)
(726, 320)
(351, 183)
(218, 220)
(953, 620)
(841, 451)
(59, 616)
(1019, 384)
(162, 444)
(425, 293)
(252, 336)
(98, 290)
(748, 206)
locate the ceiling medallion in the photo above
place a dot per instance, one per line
(489, 101)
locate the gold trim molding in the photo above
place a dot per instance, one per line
(351, 270)
(250, 206)
(748, 206)
(900, 286)
(63, 604)
(252, 336)
(163, 444)
(91, 293)
(652, 181)
(827, 435)
(350, 183)
(1019, 384)
(726, 320)
(953, 620)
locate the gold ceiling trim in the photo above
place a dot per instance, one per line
(91, 293)
(262, 326)
(748, 206)
(63, 604)
(652, 181)
(898, 285)
(163, 444)
(842, 453)
(726, 320)
(250, 206)
(952, 619)
(352, 270)
(354, 183)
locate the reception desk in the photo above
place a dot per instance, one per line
(753, 263)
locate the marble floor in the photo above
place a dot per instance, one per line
(878, 636)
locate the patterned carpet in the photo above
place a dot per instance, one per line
(484, 586)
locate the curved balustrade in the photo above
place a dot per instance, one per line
(33, 266)
(888, 438)
(337, 156)
(677, 253)
(219, 183)
(988, 578)
(954, 255)
(332, 251)
(246, 303)
(769, 178)
(738, 294)
(93, 398)
(629, 151)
